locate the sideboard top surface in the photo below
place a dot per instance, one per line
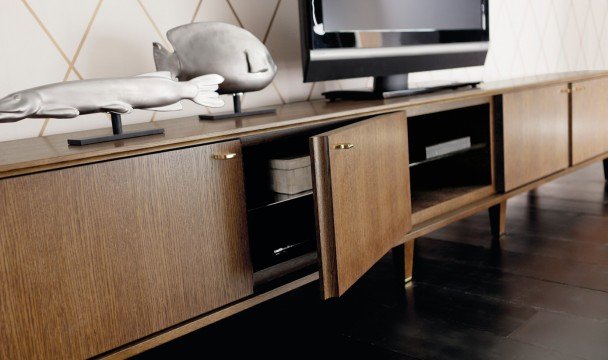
(25, 156)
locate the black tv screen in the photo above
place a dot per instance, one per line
(401, 15)
(356, 38)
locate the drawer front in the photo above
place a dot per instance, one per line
(589, 119)
(96, 256)
(362, 197)
(535, 135)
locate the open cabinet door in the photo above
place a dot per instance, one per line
(362, 197)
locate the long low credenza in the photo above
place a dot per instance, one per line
(111, 249)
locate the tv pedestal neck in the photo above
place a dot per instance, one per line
(386, 87)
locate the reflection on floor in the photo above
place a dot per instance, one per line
(542, 293)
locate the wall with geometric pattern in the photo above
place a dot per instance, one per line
(45, 41)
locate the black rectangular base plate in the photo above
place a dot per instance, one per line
(234, 115)
(372, 95)
(108, 138)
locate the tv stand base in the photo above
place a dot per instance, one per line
(376, 95)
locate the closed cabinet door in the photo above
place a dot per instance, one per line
(96, 256)
(362, 195)
(589, 119)
(534, 130)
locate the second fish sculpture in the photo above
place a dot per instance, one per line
(219, 48)
(154, 91)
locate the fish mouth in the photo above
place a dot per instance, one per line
(16, 111)
(11, 107)
(12, 116)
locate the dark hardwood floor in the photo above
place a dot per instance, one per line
(541, 292)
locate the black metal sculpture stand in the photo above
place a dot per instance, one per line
(118, 134)
(236, 98)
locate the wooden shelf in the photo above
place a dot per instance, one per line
(424, 199)
(473, 148)
(272, 199)
(283, 269)
(427, 203)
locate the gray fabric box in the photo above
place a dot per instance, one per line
(290, 175)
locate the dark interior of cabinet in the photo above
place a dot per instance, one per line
(282, 229)
(442, 178)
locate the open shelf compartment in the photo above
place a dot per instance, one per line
(454, 178)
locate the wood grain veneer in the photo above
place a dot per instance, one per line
(535, 134)
(362, 196)
(326, 247)
(589, 119)
(96, 256)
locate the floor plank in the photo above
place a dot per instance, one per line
(574, 336)
(527, 265)
(495, 283)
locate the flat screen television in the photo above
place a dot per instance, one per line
(388, 39)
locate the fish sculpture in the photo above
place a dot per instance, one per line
(217, 48)
(154, 91)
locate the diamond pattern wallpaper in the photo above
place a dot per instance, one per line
(43, 41)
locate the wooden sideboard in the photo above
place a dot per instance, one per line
(111, 249)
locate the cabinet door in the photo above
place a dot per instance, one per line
(362, 196)
(534, 133)
(589, 119)
(96, 256)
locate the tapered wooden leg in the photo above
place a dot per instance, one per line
(409, 260)
(403, 257)
(606, 169)
(498, 219)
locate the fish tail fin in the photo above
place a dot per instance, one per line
(165, 60)
(207, 86)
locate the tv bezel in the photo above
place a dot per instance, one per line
(465, 48)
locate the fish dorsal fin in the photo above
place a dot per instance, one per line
(257, 61)
(158, 74)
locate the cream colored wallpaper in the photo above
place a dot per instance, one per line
(43, 41)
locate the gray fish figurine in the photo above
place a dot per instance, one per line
(154, 91)
(217, 48)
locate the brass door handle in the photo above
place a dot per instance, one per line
(579, 88)
(223, 156)
(345, 146)
(565, 91)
